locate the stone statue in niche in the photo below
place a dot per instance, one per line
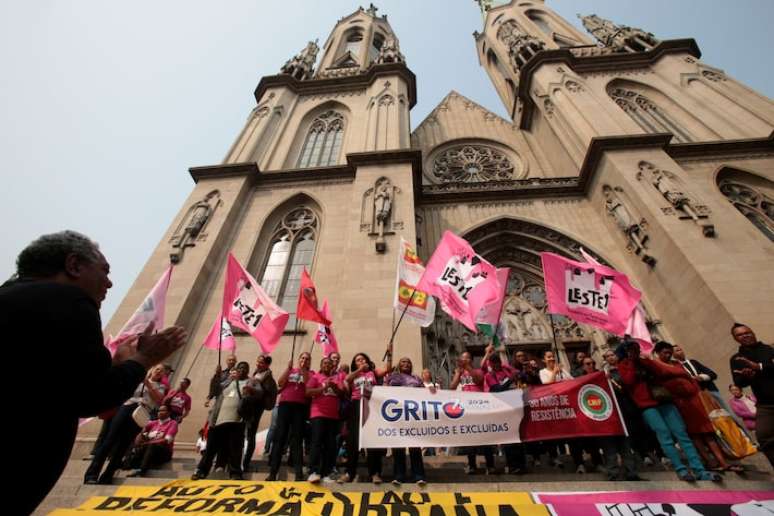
(193, 223)
(390, 52)
(301, 66)
(671, 189)
(524, 322)
(632, 228)
(378, 213)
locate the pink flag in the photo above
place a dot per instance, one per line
(247, 306)
(588, 293)
(490, 313)
(325, 336)
(223, 339)
(151, 310)
(636, 327)
(463, 281)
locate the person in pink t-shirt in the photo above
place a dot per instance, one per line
(325, 389)
(179, 401)
(472, 380)
(363, 376)
(292, 412)
(153, 447)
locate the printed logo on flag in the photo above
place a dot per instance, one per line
(410, 256)
(583, 293)
(244, 303)
(462, 273)
(404, 294)
(595, 403)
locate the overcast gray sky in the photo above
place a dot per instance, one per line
(104, 104)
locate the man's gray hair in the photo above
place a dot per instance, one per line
(46, 256)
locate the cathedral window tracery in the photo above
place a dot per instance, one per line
(323, 141)
(752, 202)
(292, 249)
(645, 113)
(471, 163)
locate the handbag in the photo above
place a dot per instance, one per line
(246, 406)
(141, 414)
(660, 394)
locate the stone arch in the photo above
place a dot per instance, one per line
(751, 194)
(656, 112)
(516, 243)
(305, 125)
(289, 236)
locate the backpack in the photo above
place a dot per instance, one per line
(269, 392)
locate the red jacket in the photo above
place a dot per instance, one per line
(674, 378)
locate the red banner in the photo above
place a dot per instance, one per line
(581, 407)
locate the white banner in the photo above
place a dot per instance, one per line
(397, 416)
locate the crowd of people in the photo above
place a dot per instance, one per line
(665, 400)
(62, 279)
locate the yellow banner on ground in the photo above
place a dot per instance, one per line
(301, 499)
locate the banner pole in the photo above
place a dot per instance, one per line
(617, 407)
(395, 329)
(553, 333)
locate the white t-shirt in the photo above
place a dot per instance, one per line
(562, 375)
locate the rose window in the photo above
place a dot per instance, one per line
(472, 164)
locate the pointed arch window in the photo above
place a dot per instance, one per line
(323, 141)
(752, 202)
(645, 113)
(376, 46)
(352, 42)
(292, 248)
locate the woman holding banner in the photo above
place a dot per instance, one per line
(291, 416)
(472, 380)
(403, 377)
(360, 382)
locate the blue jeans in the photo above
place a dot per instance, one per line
(666, 422)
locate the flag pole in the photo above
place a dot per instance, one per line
(295, 332)
(553, 333)
(220, 337)
(395, 329)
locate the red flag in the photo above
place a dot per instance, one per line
(582, 407)
(307, 308)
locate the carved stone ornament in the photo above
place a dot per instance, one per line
(671, 188)
(619, 37)
(191, 227)
(573, 87)
(521, 46)
(301, 66)
(377, 212)
(713, 76)
(472, 163)
(633, 228)
(390, 52)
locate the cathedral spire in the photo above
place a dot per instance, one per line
(619, 37)
(301, 66)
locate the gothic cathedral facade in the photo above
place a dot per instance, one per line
(633, 148)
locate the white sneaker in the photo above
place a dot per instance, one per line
(396, 482)
(328, 480)
(581, 469)
(557, 463)
(376, 479)
(647, 461)
(314, 478)
(421, 482)
(343, 479)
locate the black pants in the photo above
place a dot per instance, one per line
(399, 464)
(515, 457)
(322, 453)
(103, 430)
(291, 418)
(119, 438)
(151, 456)
(591, 446)
(619, 445)
(764, 430)
(486, 451)
(373, 456)
(251, 428)
(229, 438)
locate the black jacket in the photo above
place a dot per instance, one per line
(763, 382)
(695, 368)
(57, 369)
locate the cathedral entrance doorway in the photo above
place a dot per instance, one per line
(526, 325)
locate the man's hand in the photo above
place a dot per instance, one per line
(153, 348)
(126, 349)
(749, 364)
(746, 372)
